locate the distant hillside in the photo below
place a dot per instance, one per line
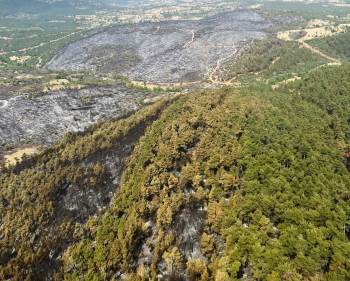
(13, 7)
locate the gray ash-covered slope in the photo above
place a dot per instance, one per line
(171, 51)
(43, 119)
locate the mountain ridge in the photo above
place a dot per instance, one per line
(223, 184)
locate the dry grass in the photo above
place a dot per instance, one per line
(60, 84)
(16, 156)
(21, 59)
(315, 29)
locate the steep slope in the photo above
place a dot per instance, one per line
(228, 186)
(248, 184)
(44, 118)
(44, 199)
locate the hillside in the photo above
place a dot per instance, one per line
(203, 140)
(227, 184)
(13, 7)
(173, 52)
(337, 46)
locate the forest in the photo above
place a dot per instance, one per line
(273, 60)
(337, 46)
(227, 184)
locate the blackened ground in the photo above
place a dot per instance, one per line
(168, 52)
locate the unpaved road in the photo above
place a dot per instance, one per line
(311, 33)
(192, 39)
(214, 76)
(318, 52)
(42, 44)
(3, 103)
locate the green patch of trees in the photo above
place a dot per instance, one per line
(337, 46)
(273, 60)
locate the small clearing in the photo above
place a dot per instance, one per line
(20, 59)
(15, 157)
(60, 84)
(284, 82)
(161, 86)
(3, 103)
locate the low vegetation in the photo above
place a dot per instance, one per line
(40, 82)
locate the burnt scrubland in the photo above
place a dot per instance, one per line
(179, 51)
(228, 184)
(75, 82)
(45, 199)
(45, 117)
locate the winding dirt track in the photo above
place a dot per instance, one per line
(215, 78)
(42, 44)
(212, 74)
(3, 103)
(311, 34)
(301, 41)
(191, 41)
(318, 52)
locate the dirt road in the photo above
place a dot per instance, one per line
(42, 44)
(191, 41)
(213, 78)
(318, 52)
